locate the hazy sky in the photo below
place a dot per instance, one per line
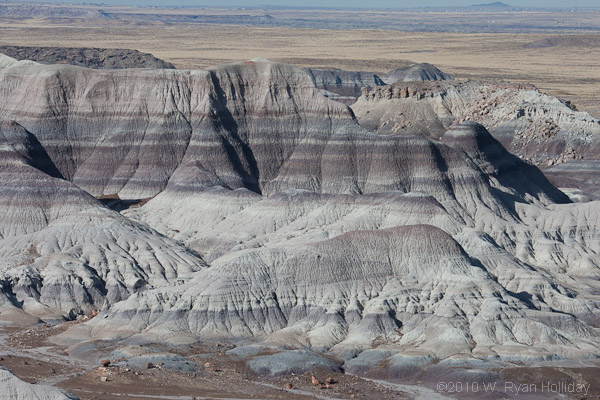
(345, 3)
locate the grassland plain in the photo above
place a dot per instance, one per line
(564, 64)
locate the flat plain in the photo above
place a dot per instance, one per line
(559, 53)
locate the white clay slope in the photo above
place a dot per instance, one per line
(316, 231)
(12, 388)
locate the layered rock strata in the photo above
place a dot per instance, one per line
(275, 216)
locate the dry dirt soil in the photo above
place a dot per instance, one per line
(29, 354)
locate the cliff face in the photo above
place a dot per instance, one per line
(274, 214)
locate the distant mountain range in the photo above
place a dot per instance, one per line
(492, 6)
(496, 4)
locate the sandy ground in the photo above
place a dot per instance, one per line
(30, 356)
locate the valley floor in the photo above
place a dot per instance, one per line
(29, 354)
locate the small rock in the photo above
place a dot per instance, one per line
(105, 363)
(149, 365)
(329, 380)
(289, 386)
(104, 379)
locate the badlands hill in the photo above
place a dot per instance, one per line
(417, 73)
(347, 86)
(344, 86)
(540, 128)
(86, 57)
(275, 217)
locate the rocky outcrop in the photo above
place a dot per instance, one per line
(343, 86)
(539, 128)
(348, 86)
(86, 57)
(416, 73)
(213, 126)
(201, 129)
(520, 116)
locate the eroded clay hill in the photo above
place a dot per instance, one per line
(417, 73)
(537, 127)
(15, 389)
(86, 57)
(346, 86)
(275, 216)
